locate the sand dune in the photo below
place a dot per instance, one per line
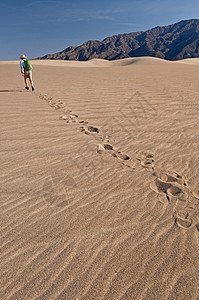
(104, 63)
(99, 181)
(94, 62)
(191, 61)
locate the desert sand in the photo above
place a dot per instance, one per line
(99, 180)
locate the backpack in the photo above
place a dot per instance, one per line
(27, 65)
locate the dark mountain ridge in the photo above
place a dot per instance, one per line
(172, 42)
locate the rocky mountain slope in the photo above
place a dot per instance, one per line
(173, 42)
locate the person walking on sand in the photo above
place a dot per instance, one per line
(26, 71)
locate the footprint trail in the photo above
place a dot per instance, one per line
(171, 187)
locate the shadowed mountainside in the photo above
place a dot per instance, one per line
(173, 42)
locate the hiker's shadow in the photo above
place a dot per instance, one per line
(10, 91)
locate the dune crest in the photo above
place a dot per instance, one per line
(96, 62)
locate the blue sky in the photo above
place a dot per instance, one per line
(39, 27)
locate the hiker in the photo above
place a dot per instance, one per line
(26, 71)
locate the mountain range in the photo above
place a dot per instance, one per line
(172, 42)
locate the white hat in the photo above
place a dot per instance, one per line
(23, 56)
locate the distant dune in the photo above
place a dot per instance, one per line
(191, 61)
(96, 62)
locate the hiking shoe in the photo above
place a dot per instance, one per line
(26, 87)
(33, 88)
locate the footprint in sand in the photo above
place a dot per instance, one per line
(83, 122)
(173, 186)
(108, 147)
(183, 219)
(169, 185)
(102, 148)
(113, 152)
(146, 160)
(69, 118)
(121, 156)
(93, 129)
(173, 177)
(167, 188)
(89, 129)
(56, 104)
